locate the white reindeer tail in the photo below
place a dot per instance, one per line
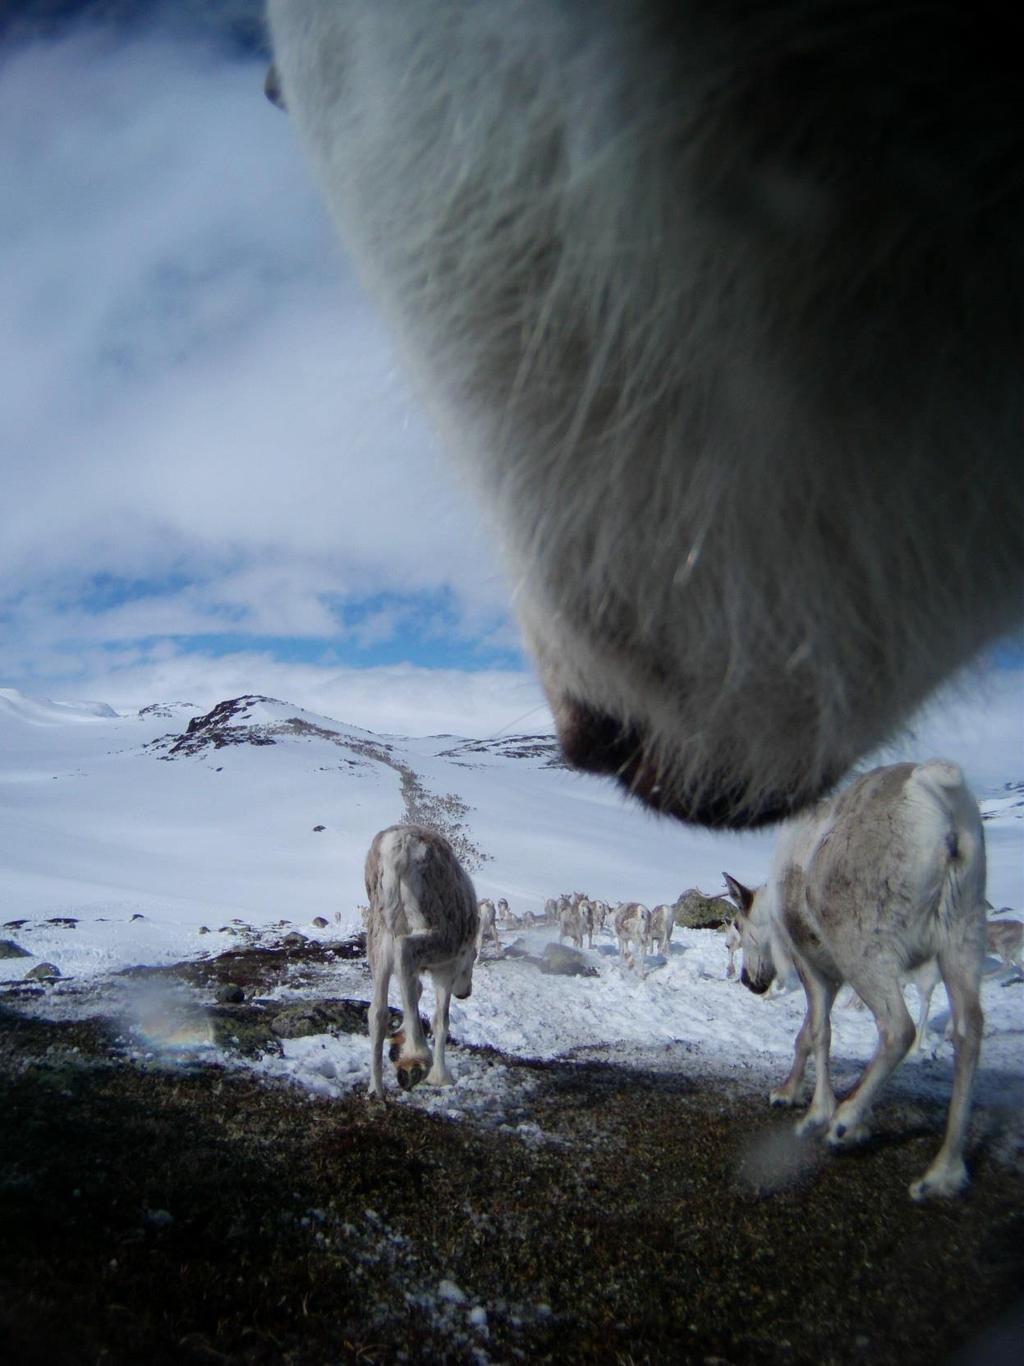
(963, 889)
(400, 885)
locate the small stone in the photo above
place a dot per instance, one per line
(320, 922)
(449, 1291)
(9, 949)
(294, 940)
(562, 961)
(42, 972)
(230, 994)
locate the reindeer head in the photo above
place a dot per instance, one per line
(753, 921)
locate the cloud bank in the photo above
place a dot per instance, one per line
(204, 437)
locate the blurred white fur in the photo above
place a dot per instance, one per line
(721, 306)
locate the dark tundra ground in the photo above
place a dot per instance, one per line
(153, 1214)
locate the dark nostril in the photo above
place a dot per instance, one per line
(755, 987)
(594, 741)
(598, 743)
(272, 87)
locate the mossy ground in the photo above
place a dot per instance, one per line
(151, 1214)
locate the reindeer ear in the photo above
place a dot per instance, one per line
(741, 896)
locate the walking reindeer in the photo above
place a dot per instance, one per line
(488, 926)
(633, 931)
(422, 918)
(868, 885)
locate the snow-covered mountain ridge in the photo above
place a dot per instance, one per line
(217, 808)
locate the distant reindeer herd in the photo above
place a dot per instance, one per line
(879, 887)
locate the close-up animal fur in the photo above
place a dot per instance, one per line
(722, 309)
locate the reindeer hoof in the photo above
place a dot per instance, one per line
(841, 1137)
(810, 1126)
(940, 1185)
(410, 1074)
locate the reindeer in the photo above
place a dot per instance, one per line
(585, 256)
(633, 930)
(733, 943)
(551, 911)
(1005, 938)
(423, 918)
(502, 908)
(663, 919)
(570, 924)
(885, 876)
(487, 913)
(587, 914)
(600, 914)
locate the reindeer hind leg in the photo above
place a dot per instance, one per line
(947, 1175)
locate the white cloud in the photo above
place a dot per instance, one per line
(194, 383)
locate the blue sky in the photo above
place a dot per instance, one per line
(215, 477)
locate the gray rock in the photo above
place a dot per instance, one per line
(560, 960)
(230, 994)
(331, 1016)
(9, 949)
(698, 911)
(42, 972)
